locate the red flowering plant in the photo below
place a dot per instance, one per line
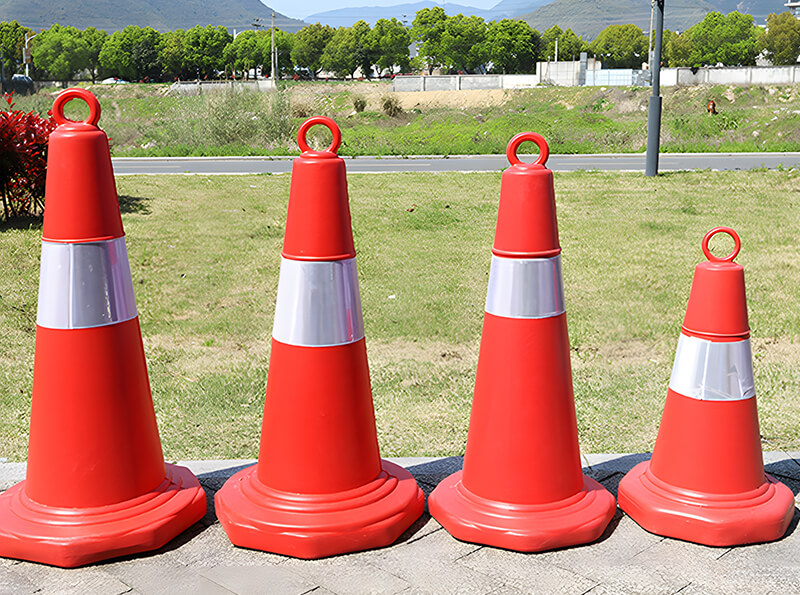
(23, 160)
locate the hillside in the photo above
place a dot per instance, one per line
(587, 19)
(345, 17)
(162, 15)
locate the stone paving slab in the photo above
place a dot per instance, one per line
(426, 559)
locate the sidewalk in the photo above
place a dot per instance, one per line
(427, 559)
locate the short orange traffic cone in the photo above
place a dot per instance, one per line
(522, 487)
(705, 481)
(96, 485)
(319, 487)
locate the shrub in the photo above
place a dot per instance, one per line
(23, 160)
(390, 105)
(359, 103)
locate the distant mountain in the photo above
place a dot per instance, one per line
(588, 18)
(759, 9)
(162, 15)
(345, 17)
(506, 9)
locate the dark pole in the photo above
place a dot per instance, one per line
(654, 111)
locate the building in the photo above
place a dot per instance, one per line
(793, 6)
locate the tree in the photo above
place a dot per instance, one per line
(132, 53)
(171, 56)
(283, 44)
(513, 46)
(12, 39)
(60, 51)
(732, 40)
(309, 45)
(339, 55)
(245, 52)
(621, 46)
(427, 29)
(94, 40)
(463, 43)
(204, 50)
(782, 38)
(389, 42)
(570, 45)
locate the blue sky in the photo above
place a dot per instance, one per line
(303, 8)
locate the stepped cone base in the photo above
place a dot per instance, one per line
(319, 525)
(71, 537)
(579, 519)
(761, 515)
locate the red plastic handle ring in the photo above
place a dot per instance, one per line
(75, 93)
(737, 244)
(332, 126)
(544, 150)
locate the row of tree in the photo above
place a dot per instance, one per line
(452, 43)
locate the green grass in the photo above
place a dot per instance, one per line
(204, 254)
(145, 120)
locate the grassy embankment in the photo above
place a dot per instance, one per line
(204, 255)
(145, 120)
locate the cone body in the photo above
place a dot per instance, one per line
(96, 484)
(320, 487)
(521, 487)
(705, 482)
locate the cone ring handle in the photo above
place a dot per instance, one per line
(737, 244)
(325, 121)
(76, 93)
(513, 145)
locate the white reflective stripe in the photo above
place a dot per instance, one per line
(525, 287)
(318, 303)
(712, 371)
(85, 285)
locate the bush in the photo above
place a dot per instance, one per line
(390, 105)
(23, 160)
(359, 103)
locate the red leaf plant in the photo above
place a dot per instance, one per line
(23, 160)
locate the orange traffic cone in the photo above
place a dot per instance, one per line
(319, 487)
(522, 487)
(96, 485)
(705, 481)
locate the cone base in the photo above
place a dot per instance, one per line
(579, 519)
(70, 537)
(318, 525)
(761, 515)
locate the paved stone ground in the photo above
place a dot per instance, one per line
(427, 559)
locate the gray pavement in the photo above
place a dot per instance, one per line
(453, 163)
(426, 559)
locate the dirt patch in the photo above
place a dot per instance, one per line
(196, 357)
(435, 352)
(457, 99)
(776, 350)
(628, 353)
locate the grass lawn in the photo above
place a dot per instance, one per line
(205, 255)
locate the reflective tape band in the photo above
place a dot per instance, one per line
(318, 304)
(525, 287)
(85, 285)
(711, 371)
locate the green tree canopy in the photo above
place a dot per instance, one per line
(308, 46)
(389, 41)
(427, 29)
(782, 38)
(60, 51)
(463, 42)
(171, 57)
(132, 53)
(513, 46)
(730, 39)
(12, 40)
(94, 39)
(570, 45)
(339, 55)
(245, 52)
(204, 50)
(283, 43)
(621, 46)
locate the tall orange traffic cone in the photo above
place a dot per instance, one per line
(522, 487)
(319, 487)
(96, 485)
(705, 481)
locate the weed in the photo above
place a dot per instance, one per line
(390, 105)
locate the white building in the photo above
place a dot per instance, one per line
(794, 7)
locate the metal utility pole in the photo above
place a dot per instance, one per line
(27, 54)
(654, 111)
(272, 53)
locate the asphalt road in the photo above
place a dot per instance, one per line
(463, 163)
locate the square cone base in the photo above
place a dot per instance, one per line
(761, 515)
(319, 525)
(71, 537)
(579, 519)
